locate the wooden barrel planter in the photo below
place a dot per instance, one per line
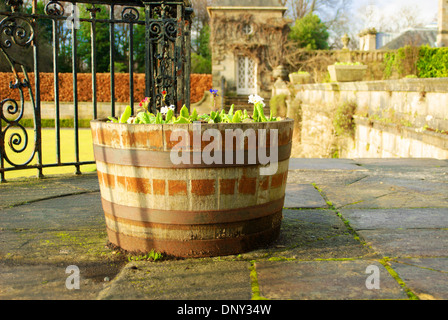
(194, 209)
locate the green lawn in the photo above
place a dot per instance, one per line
(49, 151)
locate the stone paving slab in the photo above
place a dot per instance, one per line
(312, 234)
(408, 242)
(324, 280)
(393, 164)
(18, 192)
(418, 218)
(427, 185)
(204, 279)
(47, 281)
(321, 177)
(402, 232)
(63, 212)
(39, 240)
(427, 277)
(323, 164)
(303, 196)
(380, 192)
(70, 228)
(88, 181)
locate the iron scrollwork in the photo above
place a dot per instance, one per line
(130, 14)
(15, 139)
(165, 38)
(14, 4)
(15, 31)
(54, 8)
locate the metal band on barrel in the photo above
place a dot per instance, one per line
(146, 215)
(162, 159)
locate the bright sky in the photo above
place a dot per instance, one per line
(427, 9)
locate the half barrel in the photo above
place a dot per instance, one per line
(200, 206)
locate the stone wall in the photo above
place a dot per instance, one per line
(316, 62)
(394, 118)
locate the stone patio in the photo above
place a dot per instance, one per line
(342, 218)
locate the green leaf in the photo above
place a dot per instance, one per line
(226, 118)
(231, 110)
(126, 114)
(194, 115)
(112, 119)
(159, 119)
(213, 115)
(182, 119)
(169, 115)
(143, 117)
(205, 117)
(255, 115)
(261, 116)
(245, 114)
(220, 117)
(271, 117)
(237, 117)
(147, 117)
(184, 112)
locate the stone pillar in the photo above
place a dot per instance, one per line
(442, 36)
(345, 41)
(368, 42)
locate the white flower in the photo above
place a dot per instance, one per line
(428, 118)
(253, 98)
(131, 120)
(164, 110)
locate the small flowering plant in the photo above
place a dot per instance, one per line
(166, 114)
(258, 115)
(214, 92)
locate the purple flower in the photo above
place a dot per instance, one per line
(214, 92)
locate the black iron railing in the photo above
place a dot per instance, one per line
(167, 65)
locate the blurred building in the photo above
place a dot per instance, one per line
(427, 35)
(246, 41)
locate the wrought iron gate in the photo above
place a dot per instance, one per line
(167, 65)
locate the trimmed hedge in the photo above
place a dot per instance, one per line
(199, 84)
